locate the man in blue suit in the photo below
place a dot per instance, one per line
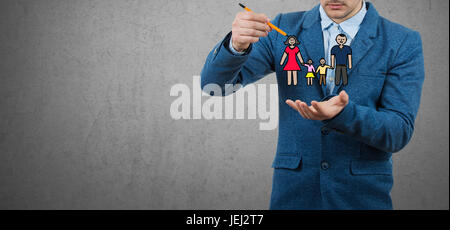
(335, 152)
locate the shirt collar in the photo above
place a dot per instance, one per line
(350, 26)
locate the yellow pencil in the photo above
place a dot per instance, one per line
(270, 24)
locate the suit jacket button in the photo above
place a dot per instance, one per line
(325, 165)
(325, 131)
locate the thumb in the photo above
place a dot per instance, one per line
(343, 96)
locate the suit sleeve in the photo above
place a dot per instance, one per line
(222, 67)
(390, 126)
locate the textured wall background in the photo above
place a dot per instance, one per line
(84, 108)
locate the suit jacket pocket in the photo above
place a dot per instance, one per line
(284, 161)
(371, 167)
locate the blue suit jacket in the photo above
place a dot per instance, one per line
(345, 162)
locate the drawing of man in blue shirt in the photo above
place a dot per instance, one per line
(341, 53)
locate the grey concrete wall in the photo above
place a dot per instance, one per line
(84, 108)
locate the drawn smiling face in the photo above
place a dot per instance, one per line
(341, 40)
(292, 41)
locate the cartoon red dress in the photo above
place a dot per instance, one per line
(292, 64)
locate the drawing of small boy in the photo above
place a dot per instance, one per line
(322, 71)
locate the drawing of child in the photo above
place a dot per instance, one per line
(311, 71)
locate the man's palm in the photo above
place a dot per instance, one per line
(321, 110)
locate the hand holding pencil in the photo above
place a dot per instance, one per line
(268, 23)
(248, 27)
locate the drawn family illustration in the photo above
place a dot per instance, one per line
(341, 59)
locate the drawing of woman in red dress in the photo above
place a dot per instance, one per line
(291, 53)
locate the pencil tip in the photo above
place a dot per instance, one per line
(241, 5)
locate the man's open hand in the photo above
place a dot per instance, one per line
(321, 110)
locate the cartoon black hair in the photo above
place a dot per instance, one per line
(289, 38)
(342, 35)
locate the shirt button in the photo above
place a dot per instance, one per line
(325, 131)
(325, 165)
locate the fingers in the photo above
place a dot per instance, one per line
(242, 39)
(343, 96)
(317, 106)
(313, 112)
(254, 25)
(302, 109)
(247, 28)
(252, 16)
(292, 104)
(309, 111)
(252, 32)
(317, 110)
